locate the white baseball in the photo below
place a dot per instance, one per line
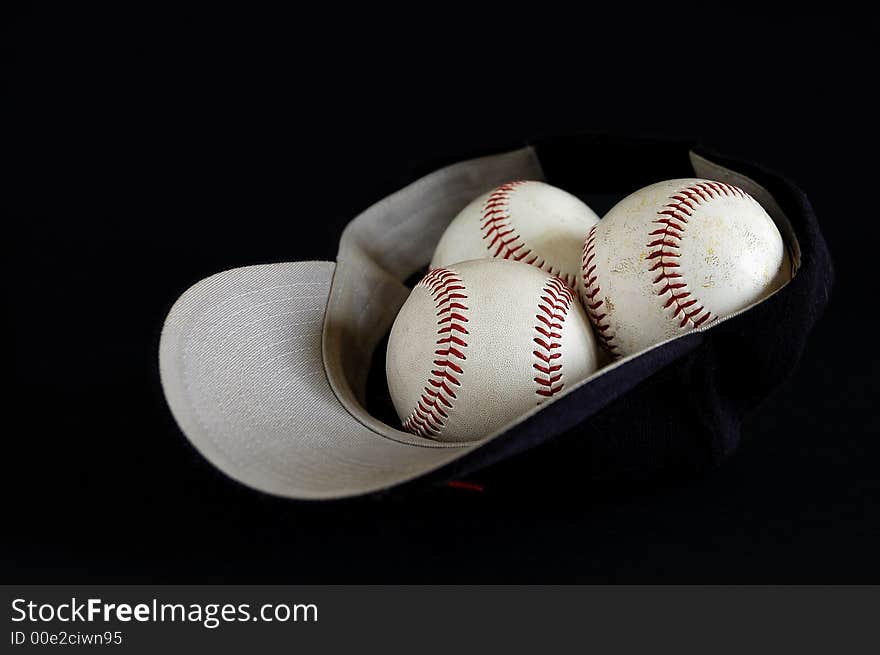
(675, 256)
(479, 343)
(525, 221)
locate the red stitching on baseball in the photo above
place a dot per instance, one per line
(429, 416)
(553, 307)
(673, 219)
(591, 292)
(501, 237)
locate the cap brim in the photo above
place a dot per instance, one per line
(265, 367)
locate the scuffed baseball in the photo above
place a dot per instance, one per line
(525, 221)
(479, 343)
(675, 256)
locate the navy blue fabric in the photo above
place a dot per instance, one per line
(676, 410)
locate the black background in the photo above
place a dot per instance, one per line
(147, 150)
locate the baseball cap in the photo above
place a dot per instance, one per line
(266, 368)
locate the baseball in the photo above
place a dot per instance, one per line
(479, 343)
(675, 256)
(524, 221)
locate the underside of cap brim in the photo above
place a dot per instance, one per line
(241, 365)
(265, 367)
